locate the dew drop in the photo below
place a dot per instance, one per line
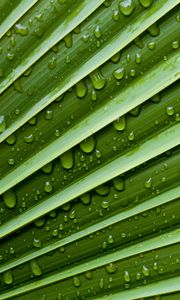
(67, 160)
(119, 73)
(170, 110)
(148, 183)
(93, 95)
(48, 187)
(88, 144)
(81, 89)
(37, 243)
(111, 268)
(29, 138)
(105, 204)
(126, 7)
(68, 40)
(102, 190)
(154, 29)
(47, 169)
(8, 277)
(85, 198)
(11, 139)
(9, 198)
(127, 277)
(76, 281)
(115, 15)
(146, 3)
(175, 44)
(118, 183)
(97, 32)
(138, 58)
(97, 79)
(145, 271)
(120, 123)
(151, 45)
(21, 29)
(131, 136)
(116, 58)
(49, 114)
(35, 268)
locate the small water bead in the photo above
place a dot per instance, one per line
(9, 198)
(85, 198)
(76, 281)
(8, 277)
(47, 169)
(68, 40)
(127, 277)
(154, 29)
(81, 89)
(49, 114)
(57, 133)
(55, 233)
(10, 56)
(148, 183)
(33, 121)
(101, 283)
(97, 79)
(138, 58)
(102, 190)
(11, 161)
(17, 85)
(146, 3)
(48, 187)
(126, 7)
(21, 29)
(67, 159)
(155, 266)
(52, 63)
(35, 268)
(138, 42)
(88, 275)
(151, 45)
(88, 144)
(170, 110)
(110, 239)
(138, 276)
(3, 124)
(119, 73)
(98, 153)
(177, 117)
(67, 59)
(105, 204)
(111, 268)
(175, 44)
(93, 95)
(107, 3)
(156, 98)
(115, 15)
(29, 138)
(145, 271)
(132, 72)
(40, 222)
(120, 123)
(116, 57)
(37, 243)
(131, 136)
(97, 32)
(66, 207)
(119, 183)
(11, 139)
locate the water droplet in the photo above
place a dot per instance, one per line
(145, 271)
(35, 268)
(21, 29)
(102, 190)
(48, 187)
(2, 124)
(9, 198)
(11, 161)
(98, 153)
(67, 160)
(37, 243)
(126, 7)
(29, 138)
(115, 15)
(68, 40)
(76, 281)
(132, 72)
(105, 204)
(138, 42)
(110, 239)
(81, 89)
(148, 183)
(85, 198)
(146, 3)
(52, 63)
(151, 45)
(97, 32)
(154, 29)
(131, 136)
(8, 277)
(127, 277)
(138, 58)
(17, 85)
(40, 222)
(119, 73)
(93, 95)
(11, 139)
(49, 114)
(97, 79)
(88, 144)
(118, 183)
(101, 283)
(116, 58)
(47, 169)
(88, 275)
(170, 110)
(120, 123)
(111, 268)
